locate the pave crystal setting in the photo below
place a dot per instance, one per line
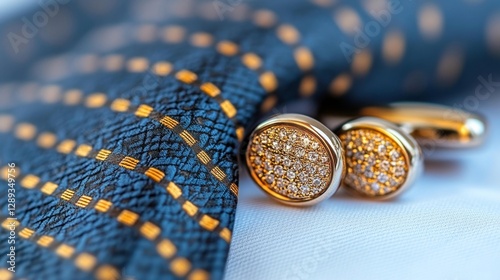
(290, 161)
(376, 164)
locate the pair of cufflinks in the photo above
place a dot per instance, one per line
(298, 161)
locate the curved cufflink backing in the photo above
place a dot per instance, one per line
(431, 124)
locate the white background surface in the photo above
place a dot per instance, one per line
(447, 226)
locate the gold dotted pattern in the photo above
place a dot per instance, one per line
(127, 217)
(175, 34)
(68, 146)
(393, 47)
(84, 261)
(430, 21)
(347, 20)
(376, 164)
(341, 84)
(6, 123)
(31, 181)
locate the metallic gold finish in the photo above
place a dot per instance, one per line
(295, 159)
(435, 125)
(381, 159)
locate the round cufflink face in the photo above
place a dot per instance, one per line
(295, 159)
(381, 159)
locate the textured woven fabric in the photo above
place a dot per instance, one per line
(124, 118)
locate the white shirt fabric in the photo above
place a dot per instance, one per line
(447, 226)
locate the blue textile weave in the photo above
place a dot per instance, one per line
(124, 118)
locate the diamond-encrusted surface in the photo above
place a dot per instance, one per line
(290, 161)
(376, 165)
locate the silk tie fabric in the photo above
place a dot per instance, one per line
(123, 119)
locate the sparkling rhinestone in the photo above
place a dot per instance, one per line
(258, 171)
(393, 182)
(369, 147)
(268, 154)
(288, 147)
(384, 165)
(278, 170)
(263, 139)
(313, 156)
(375, 187)
(358, 168)
(268, 165)
(297, 166)
(300, 152)
(310, 168)
(394, 155)
(382, 178)
(315, 145)
(290, 174)
(368, 173)
(287, 162)
(292, 188)
(278, 158)
(269, 178)
(399, 171)
(257, 148)
(282, 133)
(305, 141)
(303, 177)
(304, 189)
(359, 156)
(382, 149)
(280, 183)
(257, 160)
(371, 160)
(276, 144)
(294, 136)
(358, 142)
(324, 159)
(363, 183)
(316, 182)
(323, 171)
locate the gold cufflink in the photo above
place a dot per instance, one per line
(381, 159)
(295, 159)
(299, 161)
